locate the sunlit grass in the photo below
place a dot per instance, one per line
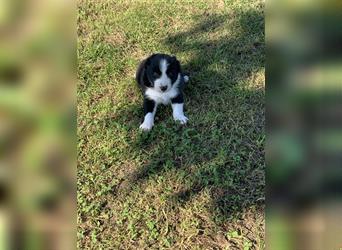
(200, 186)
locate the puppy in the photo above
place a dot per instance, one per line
(161, 80)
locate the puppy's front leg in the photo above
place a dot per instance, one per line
(177, 109)
(150, 108)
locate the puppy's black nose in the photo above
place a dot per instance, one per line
(163, 88)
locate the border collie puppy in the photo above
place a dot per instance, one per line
(161, 80)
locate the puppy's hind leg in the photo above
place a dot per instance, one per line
(150, 108)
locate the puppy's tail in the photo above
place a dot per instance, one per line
(186, 78)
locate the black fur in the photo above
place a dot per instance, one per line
(159, 87)
(148, 105)
(178, 99)
(146, 69)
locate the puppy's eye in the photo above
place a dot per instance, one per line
(156, 74)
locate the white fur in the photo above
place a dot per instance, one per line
(163, 97)
(177, 112)
(149, 120)
(164, 80)
(186, 78)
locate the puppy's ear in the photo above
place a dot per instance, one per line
(173, 59)
(175, 63)
(145, 79)
(148, 60)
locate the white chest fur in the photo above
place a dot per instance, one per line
(160, 97)
(163, 97)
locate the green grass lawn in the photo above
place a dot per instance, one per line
(199, 186)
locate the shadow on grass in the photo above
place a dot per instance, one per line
(222, 148)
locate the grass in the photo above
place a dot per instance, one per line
(199, 186)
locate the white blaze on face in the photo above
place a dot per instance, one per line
(164, 80)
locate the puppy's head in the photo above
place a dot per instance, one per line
(162, 71)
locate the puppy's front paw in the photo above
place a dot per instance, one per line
(146, 126)
(181, 118)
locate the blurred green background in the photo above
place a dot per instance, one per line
(37, 124)
(304, 104)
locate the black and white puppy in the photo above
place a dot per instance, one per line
(161, 80)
